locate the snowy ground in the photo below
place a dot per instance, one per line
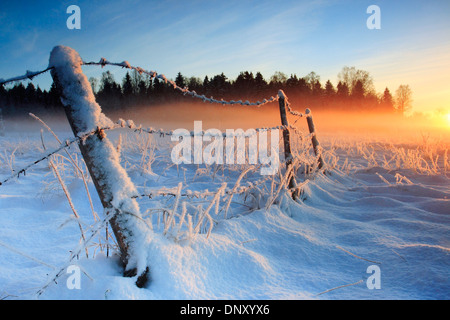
(380, 204)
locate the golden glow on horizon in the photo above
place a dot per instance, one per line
(440, 120)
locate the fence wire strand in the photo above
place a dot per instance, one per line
(174, 192)
(153, 74)
(130, 124)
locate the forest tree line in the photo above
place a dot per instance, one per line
(353, 92)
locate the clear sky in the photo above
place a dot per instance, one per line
(199, 38)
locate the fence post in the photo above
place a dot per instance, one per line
(315, 142)
(286, 138)
(111, 181)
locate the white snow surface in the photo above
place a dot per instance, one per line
(347, 222)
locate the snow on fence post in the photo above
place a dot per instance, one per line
(286, 139)
(314, 140)
(111, 181)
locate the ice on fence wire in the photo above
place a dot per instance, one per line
(125, 64)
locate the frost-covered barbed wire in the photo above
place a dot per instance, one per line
(200, 194)
(153, 74)
(96, 228)
(28, 75)
(185, 90)
(184, 225)
(238, 133)
(282, 95)
(130, 125)
(64, 145)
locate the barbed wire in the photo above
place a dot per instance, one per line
(66, 144)
(185, 90)
(129, 124)
(199, 194)
(28, 75)
(237, 132)
(153, 74)
(237, 189)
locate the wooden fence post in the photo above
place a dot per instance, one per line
(286, 138)
(314, 140)
(111, 181)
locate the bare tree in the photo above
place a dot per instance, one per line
(94, 82)
(403, 98)
(353, 77)
(278, 78)
(311, 79)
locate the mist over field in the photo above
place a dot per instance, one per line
(170, 116)
(388, 128)
(382, 200)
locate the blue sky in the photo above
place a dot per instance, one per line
(199, 38)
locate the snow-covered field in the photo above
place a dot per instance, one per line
(379, 204)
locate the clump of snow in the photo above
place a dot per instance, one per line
(125, 64)
(77, 91)
(103, 62)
